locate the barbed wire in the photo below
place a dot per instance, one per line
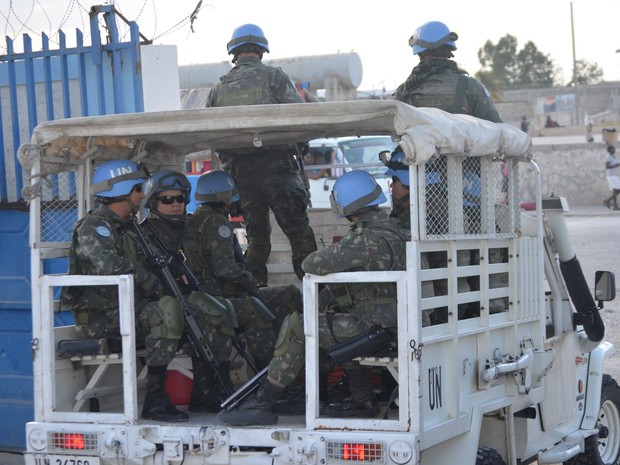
(190, 18)
(24, 24)
(67, 14)
(16, 24)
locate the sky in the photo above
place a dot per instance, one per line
(377, 31)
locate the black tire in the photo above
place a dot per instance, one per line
(604, 451)
(488, 456)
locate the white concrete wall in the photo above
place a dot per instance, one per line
(160, 77)
(574, 171)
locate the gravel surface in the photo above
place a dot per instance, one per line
(596, 240)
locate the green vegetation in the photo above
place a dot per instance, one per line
(506, 67)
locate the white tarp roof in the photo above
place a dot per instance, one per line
(422, 132)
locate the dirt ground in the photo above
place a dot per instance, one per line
(594, 234)
(611, 317)
(595, 237)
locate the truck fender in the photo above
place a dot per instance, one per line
(595, 381)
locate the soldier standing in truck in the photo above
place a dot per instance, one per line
(438, 82)
(269, 177)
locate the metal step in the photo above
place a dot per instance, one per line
(573, 444)
(560, 453)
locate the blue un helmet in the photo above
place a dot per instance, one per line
(247, 34)
(471, 189)
(165, 180)
(432, 35)
(116, 178)
(216, 187)
(396, 166)
(355, 190)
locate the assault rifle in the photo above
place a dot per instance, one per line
(252, 384)
(162, 264)
(371, 342)
(177, 259)
(248, 388)
(302, 150)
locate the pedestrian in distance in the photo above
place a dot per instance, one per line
(269, 177)
(314, 157)
(438, 82)
(551, 123)
(99, 247)
(525, 124)
(613, 177)
(588, 121)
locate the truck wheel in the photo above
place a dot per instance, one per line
(605, 450)
(488, 456)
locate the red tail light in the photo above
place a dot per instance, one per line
(361, 452)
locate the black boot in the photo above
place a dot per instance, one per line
(362, 403)
(157, 405)
(257, 409)
(303, 244)
(296, 403)
(207, 391)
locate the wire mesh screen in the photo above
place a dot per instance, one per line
(465, 279)
(464, 197)
(59, 206)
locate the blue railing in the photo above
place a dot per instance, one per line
(36, 86)
(108, 78)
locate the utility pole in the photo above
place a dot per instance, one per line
(572, 27)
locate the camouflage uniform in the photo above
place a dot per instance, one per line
(434, 83)
(438, 83)
(98, 248)
(374, 243)
(266, 177)
(172, 234)
(216, 259)
(403, 216)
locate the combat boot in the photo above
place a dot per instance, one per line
(157, 405)
(361, 404)
(303, 244)
(207, 391)
(257, 409)
(296, 403)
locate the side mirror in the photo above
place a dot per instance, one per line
(385, 156)
(604, 286)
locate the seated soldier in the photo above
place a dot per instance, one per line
(98, 247)
(401, 203)
(166, 197)
(215, 257)
(374, 242)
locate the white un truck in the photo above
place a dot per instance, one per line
(500, 352)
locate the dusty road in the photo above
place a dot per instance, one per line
(596, 239)
(595, 235)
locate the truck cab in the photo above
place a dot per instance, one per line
(500, 351)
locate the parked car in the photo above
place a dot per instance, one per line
(345, 154)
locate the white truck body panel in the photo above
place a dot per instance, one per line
(487, 354)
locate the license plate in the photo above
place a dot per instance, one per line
(32, 459)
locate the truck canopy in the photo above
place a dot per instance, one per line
(166, 137)
(489, 363)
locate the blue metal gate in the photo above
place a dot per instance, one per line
(36, 86)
